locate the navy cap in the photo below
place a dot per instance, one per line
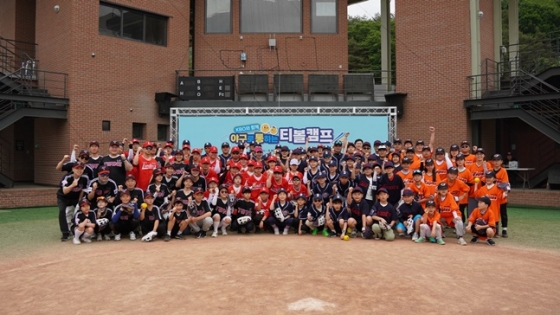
(416, 172)
(338, 143)
(380, 190)
(225, 145)
(333, 163)
(430, 203)
(429, 162)
(459, 156)
(351, 144)
(454, 147)
(327, 155)
(278, 146)
(207, 144)
(253, 143)
(281, 190)
(351, 157)
(94, 142)
(368, 165)
(440, 151)
(337, 197)
(389, 164)
(372, 157)
(408, 150)
(327, 148)
(388, 143)
(186, 142)
(344, 174)
(408, 141)
(246, 189)
(453, 170)
(301, 196)
(366, 144)
(321, 175)
(312, 149)
(420, 142)
(426, 148)
(490, 174)
(406, 160)
(497, 157)
(465, 142)
(480, 150)
(83, 153)
(357, 189)
(442, 186)
(313, 158)
(284, 148)
(407, 192)
(198, 190)
(114, 142)
(377, 142)
(317, 197)
(398, 140)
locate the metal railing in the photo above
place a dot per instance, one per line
(16, 54)
(384, 81)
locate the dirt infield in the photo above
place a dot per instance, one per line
(267, 274)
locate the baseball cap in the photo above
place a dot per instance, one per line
(368, 165)
(497, 157)
(380, 190)
(321, 175)
(236, 165)
(453, 170)
(440, 151)
(251, 163)
(313, 158)
(454, 147)
(258, 149)
(114, 143)
(168, 145)
(297, 175)
(225, 145)
(246, 189)
(196, 150)
(398, 140)
(407, 192)
(490, 174)
(148, 194)
(366, 144)
(459, 156)
(195, 168)
(407, 141)
(377, 142)
(416, 172)
(430, 203)
(406, 160)
(351, 157)
(426, 148)
(147, 144)
(186, 147)
(357, 189)
(124, 192)
(337, 197)
(420, 142)
(327, 155)
(157, 171)
(84, 153)
(317, 197)
(235, 150)
(168, 165)
(337, 143)
(258, 165)
(389, 164)
(94, 142)
(271, 158)
(429, 162)
(80, 165)
(409, 150)
(442, 186)
(301, 196)
(212, 179)
(186, 142)
(485, 199)
(205, 160)
(382, 147)
(480, 150)
(198, 191)
(294, 162)
(103, 170)
(372, 157)
(344, 174)
(252, 143)
(281, 190)
(465, 142)
(263, 190)
(278, 169)
(284, 148)
(130, 176)
(207, 145)
(213, 149)
(84, 202)
(312, 149)
(333, 163)
(388, 143)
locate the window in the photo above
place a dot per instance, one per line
(162, 132)
(271, 16)
(128, 23)
(324, 18)
(106, 125)
(138, 130)
(218, 16)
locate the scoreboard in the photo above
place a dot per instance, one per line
(206, 88)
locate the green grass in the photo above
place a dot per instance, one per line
(25, 229)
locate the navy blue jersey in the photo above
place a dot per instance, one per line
(152, 215)
(302, 213)
(310, 177)
(287, 208)
(135, 193)
(332, 178)
(339, 215)
(386, 212)
(179, 168)
(88, 171)
(342, 189)
(80, 217)
(116, 167)
(74, 195)
(107, 189)
(106, 213)
(198, 209)
(93, 163)
(244, 208)
(180, 216)
(404, 211)
(325, 191)
(393, 185)
(356, 209)
(315, 212)
(184, 196)
(159, 192)
(221, 207)
(170, 182)
(199, 183)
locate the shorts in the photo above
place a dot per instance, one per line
(481, 232)
(401, 226)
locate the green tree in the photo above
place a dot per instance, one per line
(364, 44)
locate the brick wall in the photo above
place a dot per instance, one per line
(433, 61)
(22, 198)
(8, 19)
(311, 52)
(123, 76)
(535, 197)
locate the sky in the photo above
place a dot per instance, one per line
(368, 8)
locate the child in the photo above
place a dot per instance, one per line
(358, 210)
(449, 212)
(159, 190)
(281, 213)
(337, 220)
(186, 193)
(150, 218)
(199, 214)
(221, 211)
(297, 188)
(419, 188)
(125, 217)
(502, 180)
(84, 223)
(430, 226)
(102, 212)
(495, 194)
(394, 184)
(481, 222)
(368, 182)
(322, 187)
(301, 213)
(409, 213)
(458, 189)
(431, 177)
(309, 176)
(464, 175)
(316, 215)
(244, 210)
(178, 221)
(383, 216)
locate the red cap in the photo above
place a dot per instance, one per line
(258, 165)
(196, 150)
(147, 144)
(135, 141)
(205, 160)
(251, 163)
(235, 165)
(235, 149)
(213, 149)
(271, 158)
(168, 144)
(243, 156)
(263, 190)
(278, 169)
(212, 179)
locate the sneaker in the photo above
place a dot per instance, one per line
(167, 238)
(440, 241)
(64, 238)
(490, 242)
(420, 240)
(93, 235)
(106, 237)
(415, 236)
(461, 241)
(247, 231)
(410, 226)
(86, 240)
(99, 238)
(325, 233)
(276, 232)
(76, 241)
(179, 237)
(202, 234)
(332, 234)
(315, 230)
(432, 240)
(353, 234)
(474, 239)
(215, 234)
(132, 236)
(443, 235)
(224, 232)
(286, 231)
(117, 237)
(504, 234)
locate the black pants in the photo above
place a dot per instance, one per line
(104, 230)
(272, 221)
(249, 226)
(503, 215)
(62, 204)
(148, 226)
(126, 226)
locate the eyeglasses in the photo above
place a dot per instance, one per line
(104, 175)
(149, 148)
(317, 200)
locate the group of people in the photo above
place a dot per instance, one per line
(379, 190)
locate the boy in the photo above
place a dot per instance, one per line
(322, 187)
(409, 213)
(301, 213)
(358, 209)
(458, 189)
(430, 226)
(282, 213)
(449, 212)
(177, 222)
(384, 215)
(492, 191)
(125, 217)
(394, 184)
(316, 215)
(199, 214)
(103, 215)
(502, 180)
(221, 211)
(244, 210)
(481, 222)
(419, 188)
(150, 219)
(337, 220)
(84, 223)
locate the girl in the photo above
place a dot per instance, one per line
(84, 223)
(419, 188)
(431, 178)
(102, 212)
(466, 177)
(282, 213)
(158, 189)
(236, 188)
(221, 211)
(150, 218)
(430, 226)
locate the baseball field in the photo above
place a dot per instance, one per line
(268, 274)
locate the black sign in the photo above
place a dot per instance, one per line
(205, 88)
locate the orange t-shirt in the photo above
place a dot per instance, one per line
(477, 171)
(407, 178)
(431, 220)
(441, 169)
(502, 177)
(466, 177)
(469, 160)
(431, 183)
(457, 188)
(495, 194)
(447, 206)
(488, 216)
(422, 192)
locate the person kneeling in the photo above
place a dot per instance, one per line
(177, 221)
(125, 217)
(151, 222)
(281, 213)
(84, 223)
(431, 226)
(385, 215)
(338, 216)
(199, 214)
(481, 222)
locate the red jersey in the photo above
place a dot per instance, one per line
(294, 192)
(265, 206)
(256, 185)
(210, 173)
(146, 168)
(237, 191)
(275, 186)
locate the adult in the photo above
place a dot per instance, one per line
(116, 163)
(145, 163)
